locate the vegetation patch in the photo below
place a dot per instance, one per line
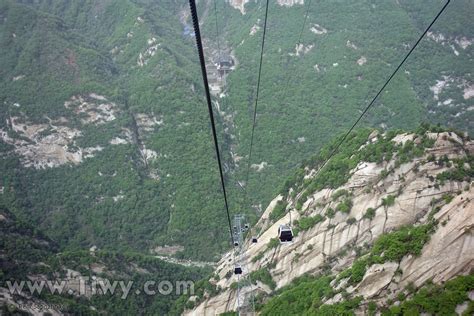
(264, 276)
(345, 206)
(278, 211)
(390, 247)
(437, 299)
(389, 200)
(258, 257)
(306, 223)
(339, 193)
(351, 220)
(369, 213)
(304, 295)
(273, 243)
(337, 170)
(463, 171)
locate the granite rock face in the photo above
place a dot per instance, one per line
(448, 253)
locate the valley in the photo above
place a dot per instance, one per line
(105, 144)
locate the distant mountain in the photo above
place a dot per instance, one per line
(103, 140)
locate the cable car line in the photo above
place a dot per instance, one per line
(286, 230)
(285, 233)
(285, 88)
(258, 81)
(257, 93)
(254, 120)
(237, 237)
(192, 5)
(235, 248)
(382, 88)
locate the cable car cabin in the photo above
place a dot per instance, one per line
(285, 233)
(238, 269)
(247, 226)
(236, 243)
(254, 240)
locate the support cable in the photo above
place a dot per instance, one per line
(258, 91)
(197, 32)
(382, 88)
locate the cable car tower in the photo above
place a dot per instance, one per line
(245, 298)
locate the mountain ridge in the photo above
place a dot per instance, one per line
(355, 233)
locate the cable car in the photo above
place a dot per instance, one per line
(285, 233)
(236, 243)
(247, 226)
(254, 240)
(238, 269)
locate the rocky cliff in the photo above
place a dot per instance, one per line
(422, 182)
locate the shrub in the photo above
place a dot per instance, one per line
(278, 211)
(339, 193)
(330, 213)
(358, 271)
(345, 206)
(258, 257)
(389, 200)
(384, 173)
(437, 299)
(434, 211)
(447, 198)
(299, 205)
(273, 243)
(306, 223)
(401, 296)
(263, 276)
(351, 220)
(407, 240)
(372, 308)
(369, 213)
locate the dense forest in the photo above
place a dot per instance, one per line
(27, 252)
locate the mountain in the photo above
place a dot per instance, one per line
(104, 133)
(385, 227)
(311, 93)
(108, 170)
(103, 140)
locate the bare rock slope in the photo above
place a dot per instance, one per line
(397, 195)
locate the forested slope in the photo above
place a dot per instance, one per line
(105, 143)
(29, 256)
